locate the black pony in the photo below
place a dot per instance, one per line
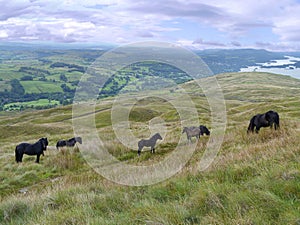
(204, 130)
(149, 143)
(68, 143)
(37, 149)
(264, 120)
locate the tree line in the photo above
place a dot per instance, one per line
(17, 94)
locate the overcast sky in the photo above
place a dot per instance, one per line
(199, 24)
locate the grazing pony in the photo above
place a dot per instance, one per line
(195, 132)
(204, 130)
(191, 132)
(149, 143)
(264, 120)
(68, 143)
(37, 149)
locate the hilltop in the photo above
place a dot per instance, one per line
(255, 178)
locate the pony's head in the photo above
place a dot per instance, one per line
(44, 142)
(184, 129)
(204, 130)
(271, 116)
(78, 139)
(158, 136)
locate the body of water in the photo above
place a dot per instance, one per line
(289, 70)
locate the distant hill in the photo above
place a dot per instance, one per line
(223, 61)
(34, 72)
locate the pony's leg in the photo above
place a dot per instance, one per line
(21, 156)
(152, 150)
(139, 151)
(251, 126)
(37, 158)
(257, 129)
(17, 155)
(188, 137)
(251, 129)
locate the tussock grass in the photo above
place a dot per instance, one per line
(255, 178)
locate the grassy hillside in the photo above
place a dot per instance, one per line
(255, 179)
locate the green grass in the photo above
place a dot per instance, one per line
(255, 178)
(4, 86)
(40, 102)
(40, 86)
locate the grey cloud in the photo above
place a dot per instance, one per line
(145, 34)
(177, 9)
(8, 10)
(38, 9)
(11, 9)
(198, 41)
(236, 44)
(22, 32)
(282, 47)
(234, 24)
(292, 35)
(263, 44)
(242, 27)
(208, 43)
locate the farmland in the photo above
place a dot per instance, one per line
(32, 72)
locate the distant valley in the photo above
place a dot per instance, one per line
(41, 76)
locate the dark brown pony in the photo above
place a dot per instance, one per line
(267, 119)
(204, 130)
(37, 149)
(69, 143)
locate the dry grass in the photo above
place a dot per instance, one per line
(254, 179)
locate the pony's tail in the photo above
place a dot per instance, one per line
(251, 125)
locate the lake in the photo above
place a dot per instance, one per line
(287, 64)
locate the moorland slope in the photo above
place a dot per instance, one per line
(255, 178)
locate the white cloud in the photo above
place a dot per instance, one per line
(287, 24)
(3, 34)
